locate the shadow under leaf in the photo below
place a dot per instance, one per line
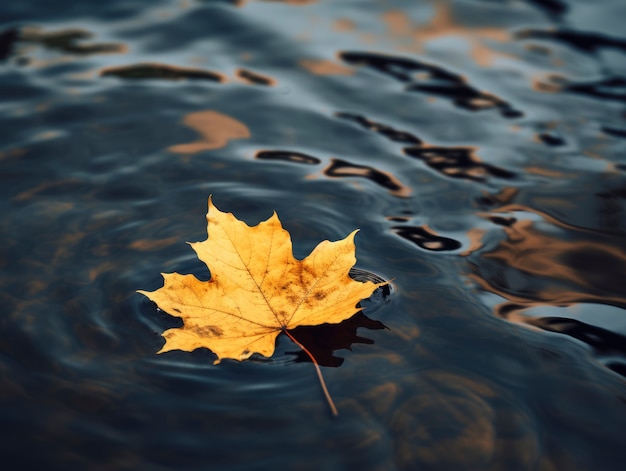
(323, 340)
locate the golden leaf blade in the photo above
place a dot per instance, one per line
(240, 254)
(329, 293)
(257, 288)
(186, 297)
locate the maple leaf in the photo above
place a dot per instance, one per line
(258, 289)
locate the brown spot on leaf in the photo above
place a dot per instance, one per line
(208, 331)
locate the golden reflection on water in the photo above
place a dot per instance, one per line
(61, 185)
(147, 245)
(325, 67)
(475, 236)
(343, 25)
(545, 172)
(216, 129)
(443, 24)
(458, 422)
(557, 267)
(12, 153)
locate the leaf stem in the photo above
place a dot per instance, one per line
(333, 409)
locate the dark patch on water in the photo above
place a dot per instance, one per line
(502, 198)
(603, 341)
(503, 221)
(324, 340)
(287, 156)
(619, 368)
(466, 97)
(619, 192)
(426, 239)
(457, 162)
(432, 80)
(550, 139)
(555, 8)
(396, 67)
(70, 41)
(616, 132)
(8, 39)
(398, 218)
(583, 41)
(342, 168)
(160, 72)
(613, 88)
(254, 78)
(387, 131)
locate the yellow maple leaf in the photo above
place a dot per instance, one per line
(257, 289)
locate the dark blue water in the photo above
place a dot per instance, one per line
(480, 146)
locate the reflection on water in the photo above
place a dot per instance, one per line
(325, 67)
(545, 262)
(333, 338)
(160, 71)
(457, 163)
(387, 131)
(425, 238)
(341, 168)
(443, 25)
(558, 268)
(477, 145)
(216, 130)
(587, 42)
(296, 157)
(70, 41)
(432, 80)
(254, 78)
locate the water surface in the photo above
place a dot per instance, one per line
(478, 145)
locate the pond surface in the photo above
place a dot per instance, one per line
(480, 148)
